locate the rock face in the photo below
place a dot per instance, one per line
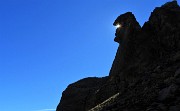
(145, 74)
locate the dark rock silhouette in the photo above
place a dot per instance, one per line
(79, 95)
(145, 74)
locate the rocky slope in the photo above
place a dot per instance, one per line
(145, 74)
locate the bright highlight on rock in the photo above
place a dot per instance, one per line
(118, 26)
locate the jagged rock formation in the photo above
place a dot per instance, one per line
(145, 75)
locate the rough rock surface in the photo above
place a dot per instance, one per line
(145, 74)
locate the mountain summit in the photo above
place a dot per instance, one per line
(145, 74)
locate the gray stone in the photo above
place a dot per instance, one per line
(169, 80)
(177, 73)
(174, 108)
(167, 93)
(162, 107)
(157, 69)
(177, 81)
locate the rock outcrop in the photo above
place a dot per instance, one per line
(79, 95)
(145, 74)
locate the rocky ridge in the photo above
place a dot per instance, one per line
(145, 74)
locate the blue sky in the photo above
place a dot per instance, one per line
(47, 44)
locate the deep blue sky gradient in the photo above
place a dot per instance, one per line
(47, 44)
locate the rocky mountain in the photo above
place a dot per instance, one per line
(145, 74)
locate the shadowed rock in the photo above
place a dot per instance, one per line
(78, 96)
(145, 72)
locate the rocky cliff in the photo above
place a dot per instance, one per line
(145, 74)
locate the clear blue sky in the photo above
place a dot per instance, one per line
(47, 44)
